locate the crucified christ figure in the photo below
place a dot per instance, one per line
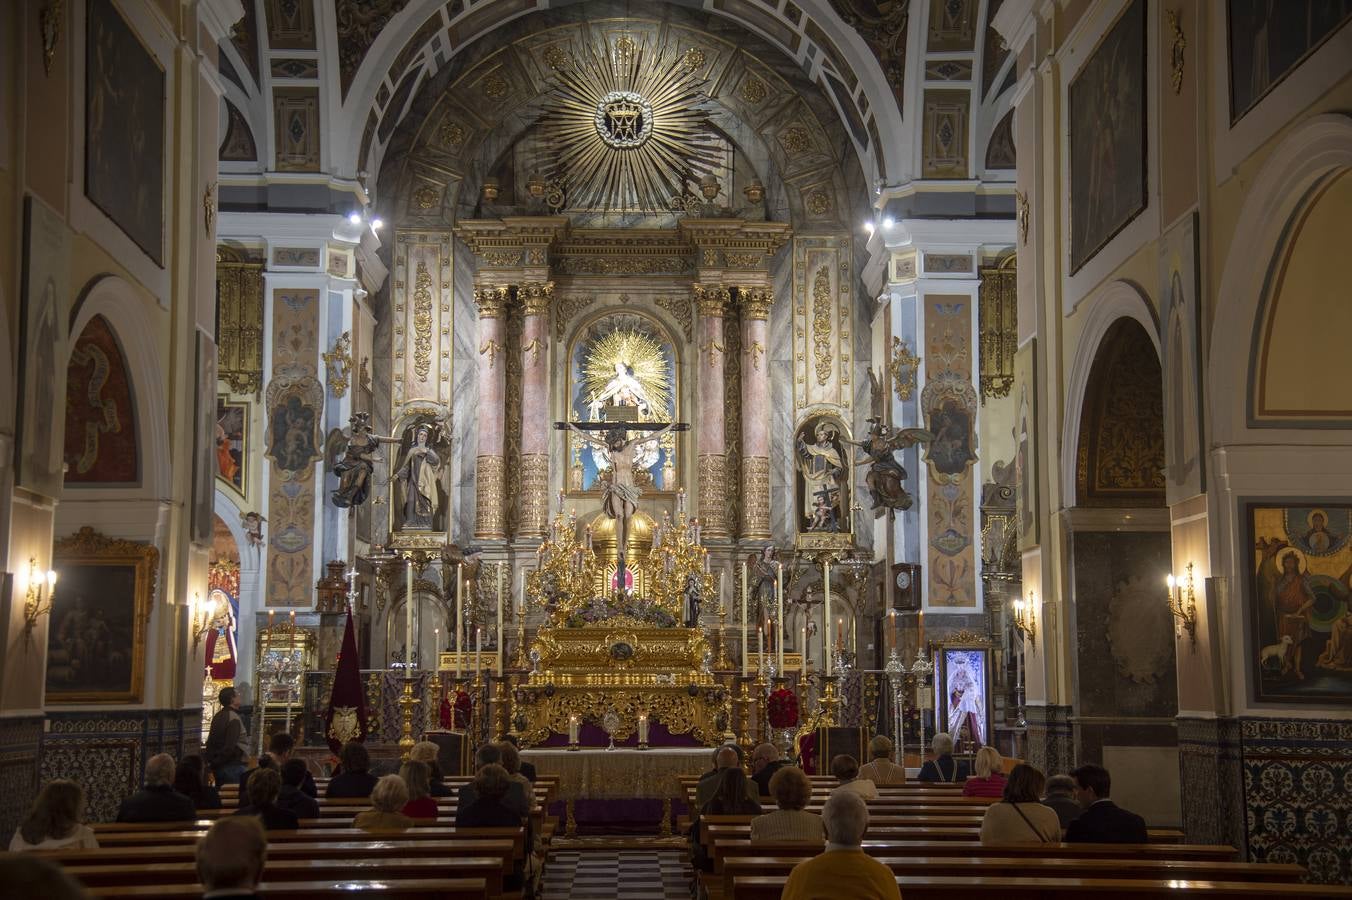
(619, 494)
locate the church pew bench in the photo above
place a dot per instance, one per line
(383, 889)
(501, 850)
(1031, 867)
(184, 874)
(875, 845)
(947, 887)
(142, 833)
(304, 835)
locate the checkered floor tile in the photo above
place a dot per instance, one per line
(628, 874)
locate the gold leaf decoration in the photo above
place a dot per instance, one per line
(422, 321)
(821, 323)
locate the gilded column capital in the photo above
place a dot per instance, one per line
(536, 296)
(491, 301)
(712, 299)
(756, 302)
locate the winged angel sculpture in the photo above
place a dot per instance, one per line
(886, 478)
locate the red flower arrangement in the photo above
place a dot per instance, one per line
(456, 715)
(782, 708)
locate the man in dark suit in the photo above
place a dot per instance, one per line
(158, 801)
(1103, 821)
(231, 856)
(293, 798)
(515, 799)
(765, 762)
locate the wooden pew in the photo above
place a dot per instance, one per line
(154, 855)
(947, 887)
(724, 848)
(311, 836)
(411, 889)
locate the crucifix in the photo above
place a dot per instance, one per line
(351, 586)
(619, 494)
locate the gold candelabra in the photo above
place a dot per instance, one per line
(406, 703)
(500, 711)
(744, 736)
(35, 606)
(433, 715)
(723, 664)
(1025, 618)
(1183, 604)
(830, 701)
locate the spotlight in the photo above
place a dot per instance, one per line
(888, 222)
(377, 224)
(868, 226)
(354, 218)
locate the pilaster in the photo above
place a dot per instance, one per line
(712, 301)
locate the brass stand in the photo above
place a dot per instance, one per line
(406, 703)
(762, 710)
(830, 701)
(723, 663)
(744, 737)
(500, 712)
(433, 718)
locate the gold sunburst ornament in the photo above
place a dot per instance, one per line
(628, 368)
(628, 127)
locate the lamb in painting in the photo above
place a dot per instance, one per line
(1277, 651)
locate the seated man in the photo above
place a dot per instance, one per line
(846, 770)
(943, 768)
(1061, 797)
(844, 870)
(293, 798)
(1102, 822)
(158, 801)
(231, 856)
(724, 757)
(280, 746)
(880, 769)
(765, 762)
(267, 786)
(355, 780)
(515, 799)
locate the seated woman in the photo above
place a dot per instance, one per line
(55, 821)
(943, 767)
(265, 785)
(190, 779)
(426, 752)
(421, 804)
(387, 799)
(487, 810)
(880, 769)
(790, 822)
(846, 770)
(730, 796)
(511, 761)
(1021, 817)
(989, 780)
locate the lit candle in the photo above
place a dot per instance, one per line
(521, 599)
(436, 647)
(459, 615)
(293, 618)
(501, 571)
(643, 728)
(892, 629)
(478, 650)
(840, 633)
(826, 615)
(779, 607)
(760, 641)
(572, 729)
(272, 614)
(921, 637)
(408, 616)
(803, 667)
(744, 632)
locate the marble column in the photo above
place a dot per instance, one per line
(756, 304)
(535, 426)
(711, 437)
(490, 518)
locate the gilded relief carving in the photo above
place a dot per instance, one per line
(821, 324)
(422, 322)
(239, 292)
(998, 329)
(568, 307)
(903, 368)
(883, 27)
(358, 23)
(679, 306)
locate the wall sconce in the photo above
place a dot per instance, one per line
(1183, 604)
(35, 605)
(204, 616)
(1025, 618)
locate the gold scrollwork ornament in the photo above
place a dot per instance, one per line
(338, 362)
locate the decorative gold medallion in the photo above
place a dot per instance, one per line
(345, 725)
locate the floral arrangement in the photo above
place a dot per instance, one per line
(640, 609)
(782, 708)
(457, 714)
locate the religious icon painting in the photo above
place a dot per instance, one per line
(230, 444)
(822, 478)
(1300, 602)
(1268, 41)
(96, 634)
(42, 339)
(962, 689)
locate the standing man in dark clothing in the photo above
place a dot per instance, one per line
(1103, 821)
(227, 740)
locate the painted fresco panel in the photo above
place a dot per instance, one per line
(100, 440)
(1108, 137)
(232, 443)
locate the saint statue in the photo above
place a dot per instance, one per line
(886, 479)
(964, 705)
(692, 600)
(358, 462)
(823, 467)
(622, 390)
(763, 576)
(417, 472)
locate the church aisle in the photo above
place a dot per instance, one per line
(628, 874)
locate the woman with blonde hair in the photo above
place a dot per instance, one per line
(421, 804)
(989, 780)
(426, 752)
(54, 822)
(387, 799)
(880, 769)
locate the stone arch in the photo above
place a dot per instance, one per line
(1312, 151)
(250, 583)
(1120, 299)
(124, 310)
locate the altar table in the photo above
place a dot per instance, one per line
(620, 775)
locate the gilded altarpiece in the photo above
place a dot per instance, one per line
(295, 407)
(822, 323)
(948, 405)
(423, 322)
(239, 320)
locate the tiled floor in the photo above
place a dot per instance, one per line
(617, 875)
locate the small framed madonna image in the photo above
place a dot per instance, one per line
(962, 691)
(96, 636)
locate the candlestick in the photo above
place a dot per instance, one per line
(501, 571)
(459, 615)
(744, 632)
(826, 615)
(478, 652)
(642, 730)
(408, 617)
(573, 726)
(781, 631)
(802, 668)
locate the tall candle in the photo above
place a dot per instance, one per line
(408, 618)
(501, 571)
(921, 637)
(459, 615)
(572, 729)
(892, 629)
(779, 611)
(826, 615)
(840, 633)
(643, 728)
(803, 663)
(760, 641)
(436, 647)
(478, 651)
(744, 633)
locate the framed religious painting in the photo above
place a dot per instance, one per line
(962, 693)
(230, 445)
(1107, 139)
(1298, 597)
(96, 636)
(44, 301)
(1266, 41)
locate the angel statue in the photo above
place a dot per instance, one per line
(886, 479)
(358, 462)
(619, 494)
(418, 473)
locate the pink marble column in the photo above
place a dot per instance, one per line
(710, 428)
(490, 519)
(535, 427)
(756, 304)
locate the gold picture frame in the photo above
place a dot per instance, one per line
(96, 633)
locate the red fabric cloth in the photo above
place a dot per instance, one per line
(991, 786)
(347, 696)
(422, 808)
